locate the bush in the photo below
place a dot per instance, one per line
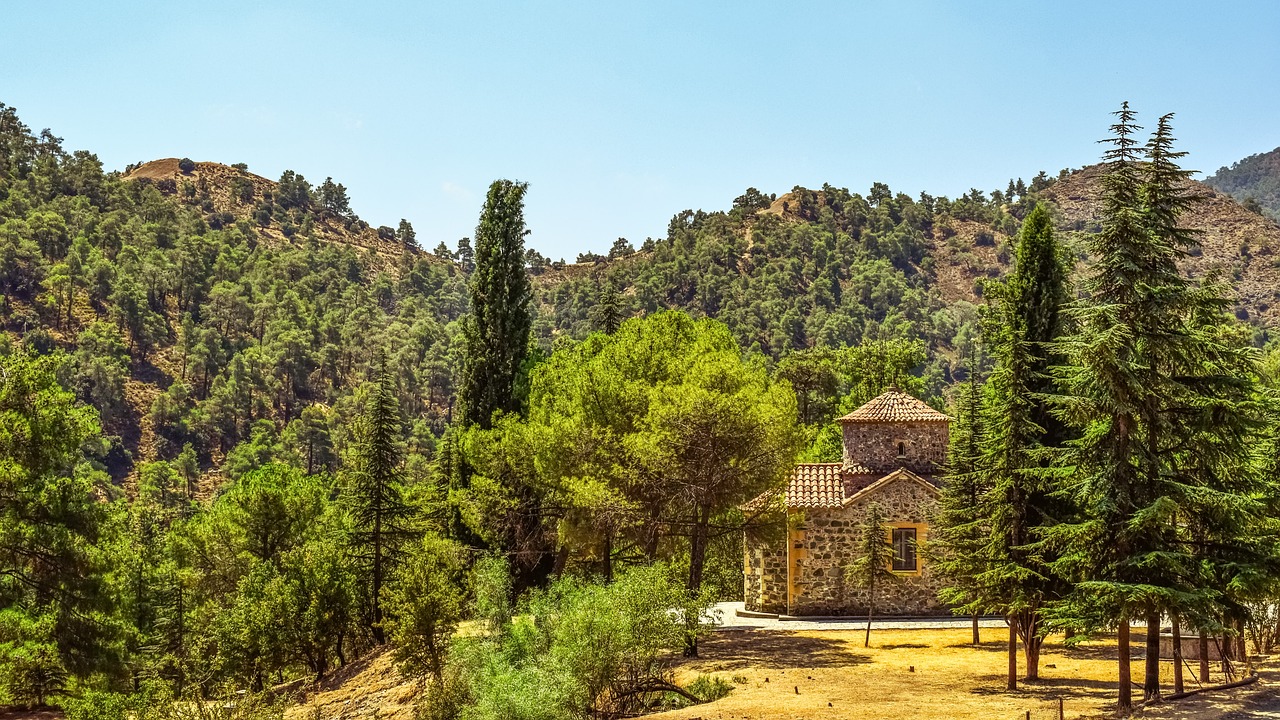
(95, 705)
(186, 166)
(425, 605)
(709, 688)
(577, 650)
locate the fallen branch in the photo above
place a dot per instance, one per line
(1238, 683)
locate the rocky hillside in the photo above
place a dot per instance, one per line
(226, 193)
(1240, 246)
(1254, 181)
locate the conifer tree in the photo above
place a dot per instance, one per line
(606, 316)
(1000, 494)
(380, 516)
(871, 569)
(497, 331)
(961, 527)
(1161, 397)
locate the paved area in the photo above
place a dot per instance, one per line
(730, 620)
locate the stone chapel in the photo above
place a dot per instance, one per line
(894, 450)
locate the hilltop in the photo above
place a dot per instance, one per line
(1254, 181)
(227, 194)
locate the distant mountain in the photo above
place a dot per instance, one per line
(1254, 181)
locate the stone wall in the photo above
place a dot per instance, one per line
(765, 574)
(875, 445)
(827, 542)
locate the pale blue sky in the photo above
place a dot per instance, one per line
(620, 115)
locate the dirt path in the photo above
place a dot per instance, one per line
(730, 620)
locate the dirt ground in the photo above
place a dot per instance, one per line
(918, 674)
(921, 674)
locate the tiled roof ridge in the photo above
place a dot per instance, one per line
(894, 405)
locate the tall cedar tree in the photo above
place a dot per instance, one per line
(380, 516)
(1160, 396)
(962, 529)
(497, 331)
(1022, 319)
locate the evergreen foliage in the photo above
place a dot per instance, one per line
(875, 553)
(375, 494)
(497, 330)
(1161, 392)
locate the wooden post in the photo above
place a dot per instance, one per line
(1125, 700)
(977, 639)
(1061, 710)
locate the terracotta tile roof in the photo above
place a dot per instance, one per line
(816, 485)
(929, 482)
(823, 485)
(895, 406)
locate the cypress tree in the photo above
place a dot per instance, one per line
(993, 514)
(496, 333)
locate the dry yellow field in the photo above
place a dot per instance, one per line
(804, 675)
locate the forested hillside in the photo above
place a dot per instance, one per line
(1254, 181)
(215, 319)
(218, 319)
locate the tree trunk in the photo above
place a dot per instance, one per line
(1125, 701)
(1151, 681)
(1031, 649)
(608, 557)
(697, 561)
(1204, 657)
(871, 609)
(378, 635)
(1175, 622)
(1013, 653)
(1275, 635)
(1243, 652)
(1031, 640)
(977, 638)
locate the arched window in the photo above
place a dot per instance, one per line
(902, 449)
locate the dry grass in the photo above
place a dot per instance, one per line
(828, 674)
(370, 687)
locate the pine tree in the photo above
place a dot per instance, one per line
(380, 516)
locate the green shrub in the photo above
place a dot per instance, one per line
(96, 705)
(186, 166)
(709, 688)
(576, 650)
